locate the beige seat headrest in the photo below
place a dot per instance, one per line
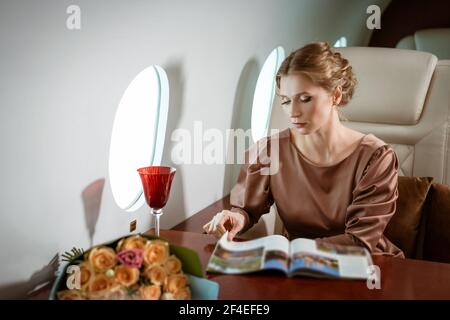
(435, 41)
(392, 84)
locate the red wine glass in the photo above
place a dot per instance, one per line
(156, 181)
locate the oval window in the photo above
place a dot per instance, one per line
(264, 94)
(138, 133)
(341, 42)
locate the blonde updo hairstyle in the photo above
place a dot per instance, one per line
(323, 67)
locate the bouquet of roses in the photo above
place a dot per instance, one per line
(136, 268)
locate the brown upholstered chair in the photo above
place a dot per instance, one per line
(436, 235)
(405, 225)
(421, 223)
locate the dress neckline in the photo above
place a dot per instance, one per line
(328, 165)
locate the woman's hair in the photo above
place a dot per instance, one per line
(322, 66)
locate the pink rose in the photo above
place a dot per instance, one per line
(131, 257)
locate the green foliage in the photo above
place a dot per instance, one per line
(72, 255)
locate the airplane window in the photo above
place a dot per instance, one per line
(341, 42)
(264, 94)
(138, 134)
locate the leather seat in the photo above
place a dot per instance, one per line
(435, 41)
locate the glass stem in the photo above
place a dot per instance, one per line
(157, 213)
(157, 225)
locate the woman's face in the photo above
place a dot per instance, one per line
(309, 106)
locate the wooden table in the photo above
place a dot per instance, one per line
(400, 278)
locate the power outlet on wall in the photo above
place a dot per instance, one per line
(133, 225)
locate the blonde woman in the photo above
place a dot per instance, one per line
(334, 184)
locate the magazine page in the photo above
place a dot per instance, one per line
(324, 259)
(271, 252)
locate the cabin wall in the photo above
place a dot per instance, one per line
(60, 88)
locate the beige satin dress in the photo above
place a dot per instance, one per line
(347, 203)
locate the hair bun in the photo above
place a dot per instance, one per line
(324, 66)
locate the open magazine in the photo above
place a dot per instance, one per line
(297, 257)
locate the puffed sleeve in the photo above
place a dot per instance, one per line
(374, 202)
(251, 194)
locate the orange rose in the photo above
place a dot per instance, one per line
(99, 286)
(173, 265)
(133, 242)
(117, 293)
(156, 274)
(175, 282)
(152, 292)
(102, 258)
(182, 294)
(167, 296)
(71, 295)
(126, 276)
(86, 274)
(156, 252)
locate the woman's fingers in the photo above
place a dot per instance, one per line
(237, 226)
(218, 233)
(207, 227)
(219, 224)
(213, 226)
(220, 229)
(233, 233)
(224, 219)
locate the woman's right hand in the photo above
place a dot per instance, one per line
(223, 221)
